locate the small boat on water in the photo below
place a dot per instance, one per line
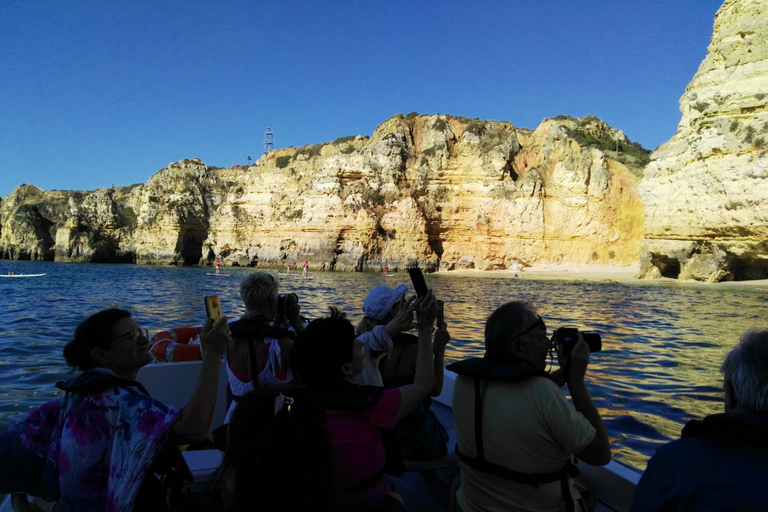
(21, 275)
(612, 485)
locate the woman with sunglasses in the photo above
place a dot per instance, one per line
(93, 448)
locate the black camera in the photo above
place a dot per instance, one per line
(282, 302)
(566, 338)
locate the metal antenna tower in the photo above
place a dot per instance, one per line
(269, 141)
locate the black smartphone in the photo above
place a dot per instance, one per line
(417, 278)
(213, 307)
(440, 313)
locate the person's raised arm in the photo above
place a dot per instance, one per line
(424, 379)
(197, 416)
(293, 312)
(442, 337)
(598, 452)
(403, 320)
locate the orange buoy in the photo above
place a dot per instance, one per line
(173, 345)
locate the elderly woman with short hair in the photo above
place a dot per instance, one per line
(260, 345)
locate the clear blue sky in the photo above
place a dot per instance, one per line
(95, 93)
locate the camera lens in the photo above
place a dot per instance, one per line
(567, 337)
(593, 341)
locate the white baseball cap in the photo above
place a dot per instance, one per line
(381, 299)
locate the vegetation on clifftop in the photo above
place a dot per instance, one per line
(628, 152)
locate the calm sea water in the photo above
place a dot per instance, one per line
(662, 343)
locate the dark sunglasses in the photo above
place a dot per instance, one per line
(537, 323)
(134, 335)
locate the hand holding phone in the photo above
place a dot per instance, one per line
(213, 307)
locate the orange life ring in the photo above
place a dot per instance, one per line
(173, 345)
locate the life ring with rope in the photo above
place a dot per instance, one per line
(172, 345)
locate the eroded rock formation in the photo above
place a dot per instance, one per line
(706, 190)
(443, 191)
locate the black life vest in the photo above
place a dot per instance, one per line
(91, 382)
(482, 369)
(254, 331)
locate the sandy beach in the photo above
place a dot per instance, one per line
(607, 273)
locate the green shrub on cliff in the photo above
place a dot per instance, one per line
(430, 151)
(629, 152)
(462, 119)
(375, 198)
(750, 134)
(309, 151)
(295, 214)
(475, 128)
(128, 216)
(701, 106)
(282, 161)
(440, 125)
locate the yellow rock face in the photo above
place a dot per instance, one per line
(706, 190)
(441, 191)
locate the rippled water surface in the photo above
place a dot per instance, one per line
(662, 344)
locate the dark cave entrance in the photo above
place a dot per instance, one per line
(748, 269)
(190, 245)
(669, 267)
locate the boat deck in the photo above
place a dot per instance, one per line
(613, 485)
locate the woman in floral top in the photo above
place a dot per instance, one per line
(91, 448)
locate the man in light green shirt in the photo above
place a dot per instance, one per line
(528, 426)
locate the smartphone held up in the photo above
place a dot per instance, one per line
(420, 285)
(213, 307)
(417, 278)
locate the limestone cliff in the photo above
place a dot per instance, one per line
(444, 191)
(706, 190)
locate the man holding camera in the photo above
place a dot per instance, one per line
(514, 426)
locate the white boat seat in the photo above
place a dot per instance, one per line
(203, 465)
(173, 383)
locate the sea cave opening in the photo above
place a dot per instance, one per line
(669, 267)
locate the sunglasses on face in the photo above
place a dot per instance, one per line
(538, 323)
(133, 335)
